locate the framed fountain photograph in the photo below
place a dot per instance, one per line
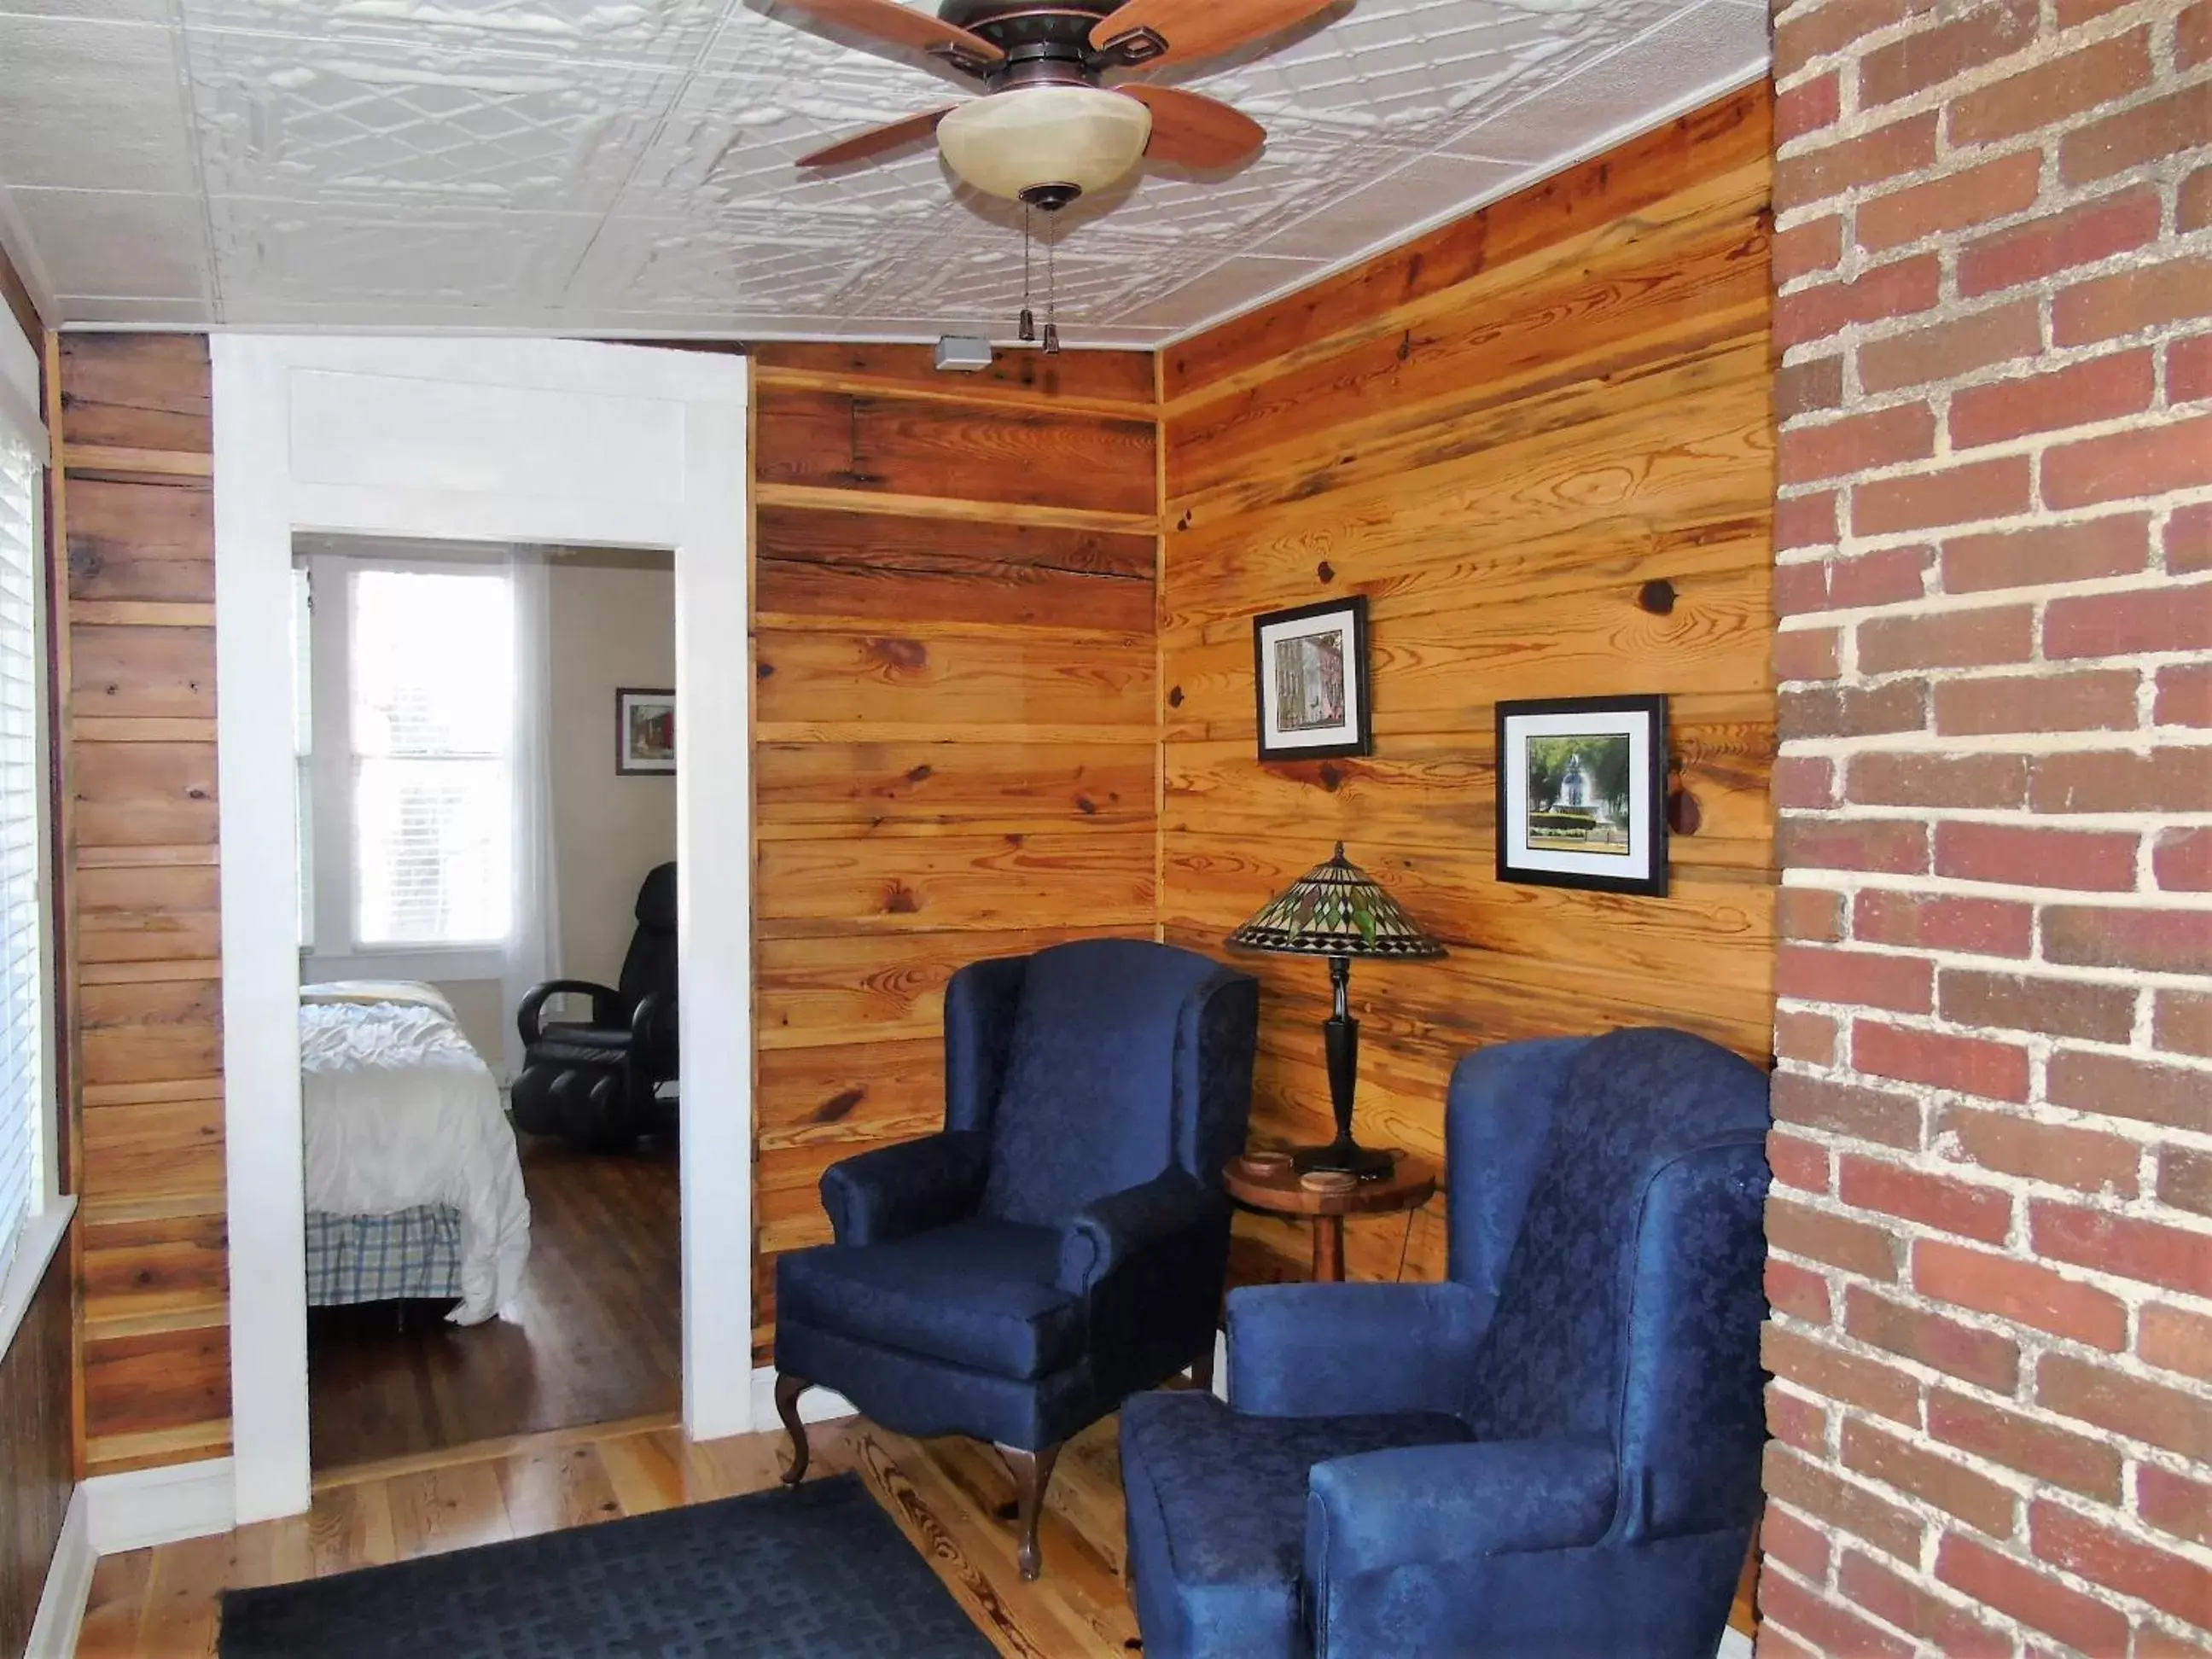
(1581, 793)
(1309, 678)
(645, 732)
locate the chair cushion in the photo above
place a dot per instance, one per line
(604, 1038)
(981, 1294)
(1553, 1364)
(1088, 1104)
(1218, 1511)
(561, 1044)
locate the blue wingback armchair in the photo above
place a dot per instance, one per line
(1555, 1452)
(1064, 1241)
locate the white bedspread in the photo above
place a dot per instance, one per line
(400, 1111)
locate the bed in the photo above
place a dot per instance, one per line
(413, 1184)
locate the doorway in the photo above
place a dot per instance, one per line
(536, 442)
(488, 812)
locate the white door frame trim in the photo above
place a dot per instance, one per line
(530, 441)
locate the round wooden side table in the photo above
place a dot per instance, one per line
(1410, 1184)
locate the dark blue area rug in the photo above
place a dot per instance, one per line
(818, 1570)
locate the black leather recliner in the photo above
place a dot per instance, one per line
(593, 1082)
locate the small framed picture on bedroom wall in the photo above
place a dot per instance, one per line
(1309, 679)
(645, 732)
(1581, 793)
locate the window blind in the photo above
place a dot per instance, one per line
(22, 992)
(432, 665)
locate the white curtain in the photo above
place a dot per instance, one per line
(534, 943)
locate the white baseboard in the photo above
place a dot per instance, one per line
(139, 1508)
(1734, 1644)
(68, 1584)
(817, 1404)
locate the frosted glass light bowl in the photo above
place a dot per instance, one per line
(1082, 138)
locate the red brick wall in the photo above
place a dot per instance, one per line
(1992, 1223)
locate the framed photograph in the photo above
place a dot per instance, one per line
(1310, 676)
(1581, 793)
(645, 732)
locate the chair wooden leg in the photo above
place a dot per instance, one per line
(1032, 1473)
(788, 1390)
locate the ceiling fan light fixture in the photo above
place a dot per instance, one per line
(1045, 145)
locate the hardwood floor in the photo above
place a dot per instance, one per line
(945, 1495)
(953, 1499)
(596, 1335)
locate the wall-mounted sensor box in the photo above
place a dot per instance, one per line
(960, 356)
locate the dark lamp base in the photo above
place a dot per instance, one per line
(1362, 1161)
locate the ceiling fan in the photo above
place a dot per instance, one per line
(1046, 129)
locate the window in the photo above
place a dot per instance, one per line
(303, 747)
(25, 1156)
(407, 803)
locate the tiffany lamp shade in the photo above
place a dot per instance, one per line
(1337, 910)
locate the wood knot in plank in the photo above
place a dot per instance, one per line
(900, 656)
(900, 900)
(1325, 571)
(839, 1106)
(1657, 598)
(1684, 816)
(921, 774)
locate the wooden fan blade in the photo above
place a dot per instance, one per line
(876, 140)
(1186, 29)
(903, 25)
(1196, 130)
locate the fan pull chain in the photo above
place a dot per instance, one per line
(1028, 331)
(1051, 293)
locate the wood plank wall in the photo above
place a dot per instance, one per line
(37, 1468)
(37, 1439)
(140, 869)
(1500, 433)
(956, 741)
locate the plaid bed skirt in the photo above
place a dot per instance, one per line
(383, 1258)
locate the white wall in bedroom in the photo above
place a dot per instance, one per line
(611, 622)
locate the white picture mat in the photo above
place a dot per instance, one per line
(1333, 737)
(1513, 779)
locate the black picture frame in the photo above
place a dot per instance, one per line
(628, 763)
(1356, 730)
(1526, 859)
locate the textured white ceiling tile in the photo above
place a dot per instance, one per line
(769, 45)
(87, 105)
(375, 120)
(489, 261)
(1714, 45)
(664, 31)
(729, 141)
(587, 165)
(1224, 291)
(100, 11)
(1426, 188)
(917, 279)
(1417, 71)
(118, 244)
(103, 308)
